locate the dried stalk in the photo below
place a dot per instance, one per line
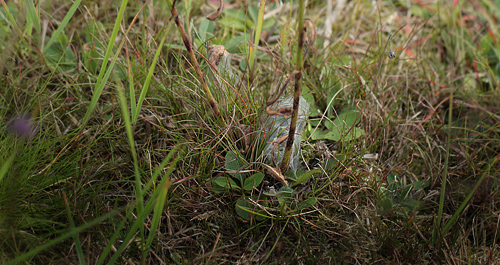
(187, 44)
(297, 91)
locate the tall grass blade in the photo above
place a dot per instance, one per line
(462, 206)
(5, 167)
(112, 240)
(258, 31)
(61, 238)
(139, 195)
(104, 73)
(160, 204)
(32, 16)
(64, 23)
(76, 238)
(145, 87)
(131, 83)
(139, 222)
(438, 224)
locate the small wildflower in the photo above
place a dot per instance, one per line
(22, 127)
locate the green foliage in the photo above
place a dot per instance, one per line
(395, 196)
(253, 181)
(248, 211)
(234, 165)
(337, 127)
(247, 183)
(60, 57)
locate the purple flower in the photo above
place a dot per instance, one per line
(22, 126)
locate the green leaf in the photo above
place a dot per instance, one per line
(291, 174)
(90, 56)
(332, 92)
(385, 204)
(308, 96)
(404, 193)
(237, 44)
(344, 121)
(227, 183)
(32, 16)
(246, 210)
(253, 11)
(411, 204)
(306, 176)
(421, 184)
(284, 194)
(341, 128)
(243, 65)
(243, 209)
(319, 134)
(60, 57)
(217, 188)
(253, 181)
(329, 164)
(235, 19)
(307, 203)
(233, 165)
(314, 122)
(337, 135)
(205, 30)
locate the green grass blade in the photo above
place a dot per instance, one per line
(112, 240)
(462, 206)
(76, 238)
(258, 31)
(145, 87)
(60, 239)
(32, 15)
(7, 164)
(160, 204)
(131, 83)
(64, 23)
(160, 167)
(139, 222)
(102, 78)
(12, 21)
(445, 172)
(139, 194)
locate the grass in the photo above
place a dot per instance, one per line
(113, 150)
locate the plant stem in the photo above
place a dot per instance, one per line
(297, 91)
(192, 57)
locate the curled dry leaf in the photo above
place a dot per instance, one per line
(310, 32)
(215, 15)
(283, 111)
(279, 141)
(276, 173)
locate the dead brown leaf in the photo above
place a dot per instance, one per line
(215, 15)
